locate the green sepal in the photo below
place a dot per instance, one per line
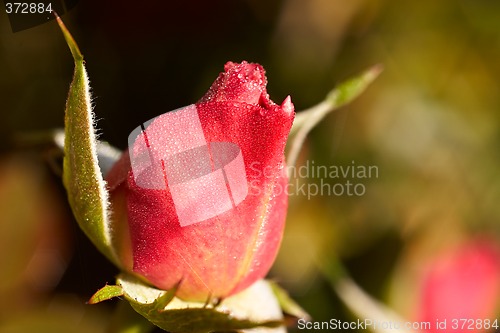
(82, 177)
(245, 310)
(106, 293)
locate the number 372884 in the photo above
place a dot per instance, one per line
(27, 8)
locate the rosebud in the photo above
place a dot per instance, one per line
(461, 289)
(198, 198)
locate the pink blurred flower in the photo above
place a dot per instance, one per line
(462, 283)
(164, 233)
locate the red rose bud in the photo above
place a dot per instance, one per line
(200, 195)
(461, 289)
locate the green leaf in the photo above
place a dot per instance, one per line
(306, 120)
(106, 293)
(254, 307)
(287, 304)
(82, 177)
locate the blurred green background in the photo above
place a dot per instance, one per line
(430, 124)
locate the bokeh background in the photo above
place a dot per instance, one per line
(430, 124)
